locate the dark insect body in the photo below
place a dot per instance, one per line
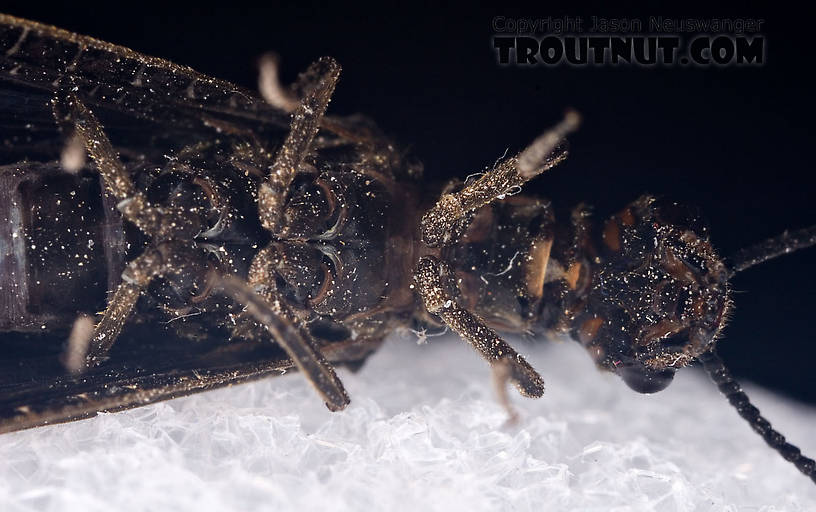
(227, 238)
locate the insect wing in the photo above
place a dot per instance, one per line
(36, 390)
(43, 57)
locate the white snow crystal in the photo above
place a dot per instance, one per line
(423, 432)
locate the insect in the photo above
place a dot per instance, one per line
(228, 237)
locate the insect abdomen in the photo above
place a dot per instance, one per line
(61, 246)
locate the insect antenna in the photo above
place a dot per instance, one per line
(729, 387)
(787, 242)
(769, 249)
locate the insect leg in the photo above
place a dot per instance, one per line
(272, 194)
(270, 87)
(439, 224)
(729, 387)
(305, 123)
(108, 329)
(501, 376)
(73, 358)
(135, 278)
(435, 283)
(288, 99)
(115, 177)
(294, 339)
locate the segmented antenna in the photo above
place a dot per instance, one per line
(771, 248)
(729, 387)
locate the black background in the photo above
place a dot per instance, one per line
(737, 142)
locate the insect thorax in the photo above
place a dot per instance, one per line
(514, 268)
(332, 260)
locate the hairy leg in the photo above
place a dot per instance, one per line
(306, 120)
(69, 109)
(316, 87)
(441, 225)
(138, 274)
(293, 338)
(355, 128)
(448, 220)
(435, 284)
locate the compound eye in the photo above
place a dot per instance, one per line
(643, 380)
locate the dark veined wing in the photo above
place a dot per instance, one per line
(148, 105)
(42, 57)
(36, 390)
(147, 365)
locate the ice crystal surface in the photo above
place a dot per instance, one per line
(423, 432)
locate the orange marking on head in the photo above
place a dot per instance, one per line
(611, 235)
(660, 330)
(537, 266)
(626, 217)
(698, 307)
(572, 275)
(588, 329)
(677, 268)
